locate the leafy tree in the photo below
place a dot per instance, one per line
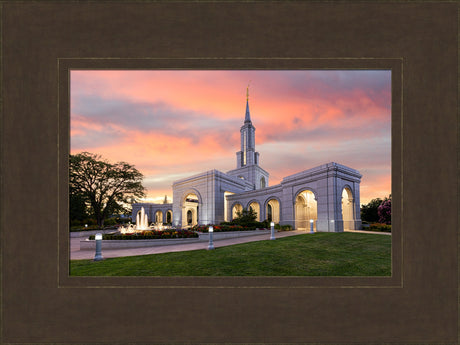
(369, 212)
(246, 216)
(384, 211)
(104, 186)
(77, 207)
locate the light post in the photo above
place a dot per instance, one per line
(332, 223)
(311, 226)
(211, 245)
(98, 256)
(272, 226)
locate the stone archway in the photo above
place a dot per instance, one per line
(158, 217)
(347, 209)
(169, 217)
(254, 205)
(305, 210)
(273, 210)
(190, 210)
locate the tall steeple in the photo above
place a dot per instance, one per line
(247, 155)
(247, 159)
(247, 118)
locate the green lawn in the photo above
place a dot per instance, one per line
(320, 254)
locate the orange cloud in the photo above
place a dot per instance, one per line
(315, 115)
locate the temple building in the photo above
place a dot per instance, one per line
(327, 195)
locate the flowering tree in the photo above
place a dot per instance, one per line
(384, 211)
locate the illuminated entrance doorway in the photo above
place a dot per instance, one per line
(158, 217)
(305, 210)
(256, 208)
(190, 210)
(236, 209)
(347, 209)
(273, 211)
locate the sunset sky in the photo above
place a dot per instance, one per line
(175, 123)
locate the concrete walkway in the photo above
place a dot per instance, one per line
(77, 254)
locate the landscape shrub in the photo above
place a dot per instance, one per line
(286, 227)
(219, 228)
(150, 235)
(379, 227)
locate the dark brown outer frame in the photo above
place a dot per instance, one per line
(42, 40)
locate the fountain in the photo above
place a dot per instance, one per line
(142, 221)
(142, 224)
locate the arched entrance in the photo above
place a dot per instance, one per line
(190, 210)
(158, 217)
(273, 211)
(305, 210)
(347, 209)
(256, 208)
(169, 217)
(235, 209)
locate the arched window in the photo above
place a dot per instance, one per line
(262, 182)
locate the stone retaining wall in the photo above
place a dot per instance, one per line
(121, 244)
(87, 233)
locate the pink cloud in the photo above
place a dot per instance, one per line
(312, 110)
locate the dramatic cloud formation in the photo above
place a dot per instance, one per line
(171, 124)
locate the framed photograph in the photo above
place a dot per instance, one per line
(46, 46)
(180, 129)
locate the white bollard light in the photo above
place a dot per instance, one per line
(311, 226)
(211, 244)
(272, 226)
(98, 256)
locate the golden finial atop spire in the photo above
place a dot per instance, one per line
(247, 92)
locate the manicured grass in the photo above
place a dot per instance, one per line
(319, 254)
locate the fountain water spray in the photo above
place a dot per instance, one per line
(142, 224)
(142, 221)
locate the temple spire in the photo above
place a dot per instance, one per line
(247, 118)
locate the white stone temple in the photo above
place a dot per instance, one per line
(327, 194)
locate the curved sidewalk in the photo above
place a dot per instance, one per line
(77, 254)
